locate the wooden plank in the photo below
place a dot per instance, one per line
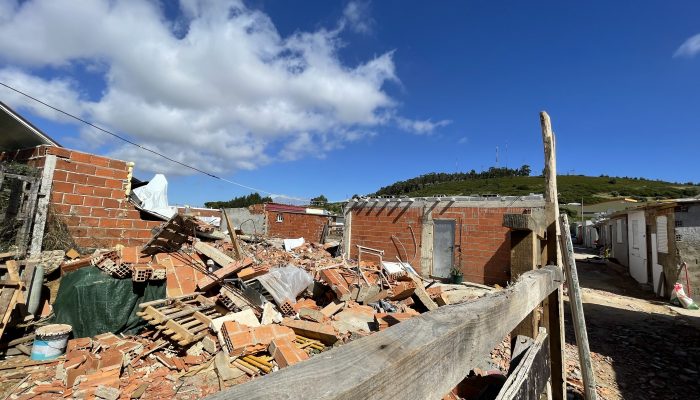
(238, 253)
(554, 306)
(213, 253)
(529, 380)
(42, 206)
(29, 205)
(576, 304)
(13, 273)
(421, 358)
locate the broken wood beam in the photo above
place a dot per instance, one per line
(238, 253)
(529, 379)
(576, 304)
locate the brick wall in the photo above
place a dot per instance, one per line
(200, 212)
(482, 244)
(295, 225)
(88, 195)
(374, 228)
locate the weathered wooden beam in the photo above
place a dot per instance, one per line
(213, 253)
(534, 222)
(554, 305)
(237, 252)
(421, 358)
(575, 302)
(529, 380)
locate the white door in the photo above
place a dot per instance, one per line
(637, 240)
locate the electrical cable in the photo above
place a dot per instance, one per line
(209, 174)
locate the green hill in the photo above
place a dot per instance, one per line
(572, 188)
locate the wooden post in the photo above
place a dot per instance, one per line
(584, 352)
(42, 206)
(238, 253)
(554, 305)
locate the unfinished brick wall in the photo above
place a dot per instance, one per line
(88, 195)
(295, 225)
(482, 244)
(483, 254)
(375, 227)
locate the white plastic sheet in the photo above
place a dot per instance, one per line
(154, 196)
(290, 244)
(285, 283)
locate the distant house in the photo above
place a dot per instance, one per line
(613, 236)
(660, 238)
(281, 221)
(436, 234)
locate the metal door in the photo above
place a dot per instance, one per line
(443, 247)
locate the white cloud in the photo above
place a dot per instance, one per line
(463, 140)
(421, 127)
(356, 15)
(219, 88)
(690, 47)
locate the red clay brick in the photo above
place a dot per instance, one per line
(113, 183)
(63, 187)
(110, 203)
(81, 189)
(58, 151)
(81, 210)
(73, 199)
(77, 178)
(99, 161)
(85, 169)
(96, 181)
(60, 176)
(93, 201)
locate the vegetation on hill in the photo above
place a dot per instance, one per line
(237, 202)
(572, 188)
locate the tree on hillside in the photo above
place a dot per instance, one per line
(524, 170)
(319, 200)
(238, 202)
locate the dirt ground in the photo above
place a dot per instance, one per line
(643, 348)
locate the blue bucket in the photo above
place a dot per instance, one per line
(50, 341)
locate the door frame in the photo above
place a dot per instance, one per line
(437, 221)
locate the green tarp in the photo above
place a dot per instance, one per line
(93, 302)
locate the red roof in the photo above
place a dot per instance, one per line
(284, 208)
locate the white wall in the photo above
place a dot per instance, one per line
(636, 228)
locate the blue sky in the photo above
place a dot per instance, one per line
(341, 98)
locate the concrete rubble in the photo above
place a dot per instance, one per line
(223, 322)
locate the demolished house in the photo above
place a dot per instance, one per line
(282, 221)
(437, 235)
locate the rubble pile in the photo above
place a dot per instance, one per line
(233, 311)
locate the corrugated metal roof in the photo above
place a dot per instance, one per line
(17, 133)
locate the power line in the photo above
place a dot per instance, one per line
(143, 147)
